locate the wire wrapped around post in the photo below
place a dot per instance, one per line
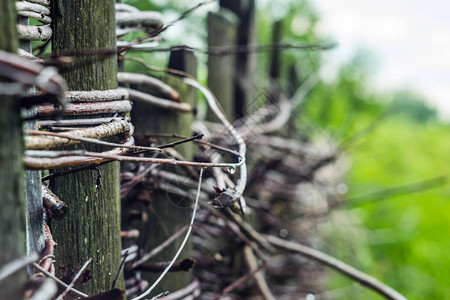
(40, 11)
(95, 104)
(130, 19)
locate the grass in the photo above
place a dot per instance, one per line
(400, 240)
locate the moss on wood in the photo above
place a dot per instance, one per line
(85, 30)
(12, 196)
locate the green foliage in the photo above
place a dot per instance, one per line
(395, 239)
(150, 5)
(403, 237)
(346, 105)
(410, 105)
(298, 26)
(398, 240)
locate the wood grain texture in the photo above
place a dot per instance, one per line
(245, 62)
(222, 27)
(12, 196)
(91, 227)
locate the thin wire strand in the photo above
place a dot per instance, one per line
(69, 287)
(17, 264)
(46, 158)
(58, 281)
(148, 291)
(91, 140)
(212, 102)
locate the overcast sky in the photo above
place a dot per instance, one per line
(410, 41)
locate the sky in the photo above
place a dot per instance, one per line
(409, 41)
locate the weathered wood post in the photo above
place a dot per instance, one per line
(35, 240)
(229, 75)
(92, 225)
(165, 214)
(275, 63)
(12, 197)
(222, 27)
(245, 61)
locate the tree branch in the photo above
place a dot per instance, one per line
(90, 135)
(58, 281)
(364, 279)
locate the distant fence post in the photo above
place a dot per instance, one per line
(275, 63)
(222, 27)
(245, 61)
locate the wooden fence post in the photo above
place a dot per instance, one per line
(222, 27)
(165, 214)
(12, 197)
(275, 62)
(91, 227)
(35, 240)
(245, 61)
